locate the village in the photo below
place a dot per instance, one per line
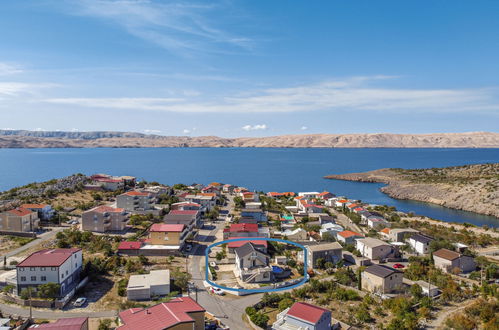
(114, 252)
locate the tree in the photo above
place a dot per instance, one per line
(182, 279)
(105, 324)
(320, 263)
(285, 303)
(49, 290)
(416, 291)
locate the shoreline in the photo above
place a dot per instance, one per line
(459, 197)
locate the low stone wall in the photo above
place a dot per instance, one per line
(18, 233)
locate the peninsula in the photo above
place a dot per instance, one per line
(104, 139)
(471, 187)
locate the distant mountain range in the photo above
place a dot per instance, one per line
(101, 139)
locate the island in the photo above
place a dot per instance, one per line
(472, 188)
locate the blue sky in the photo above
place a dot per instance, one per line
(250, 68)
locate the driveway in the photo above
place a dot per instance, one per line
(41, 238)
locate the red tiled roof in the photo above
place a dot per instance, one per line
(48, 258)
(358, 209)
(342, 201)
(73, 323)
(349, 233)
(352, 205)
(136, 193)
(307, 312)
(162, 227)
(236, 244)
(386, 231)
(242, 227)
(34, 206)
(324, 193)
(20, 211)
(161, 316)
(190, 212)
(109, 209)
(207, 194)
(129, 245)
(446, 254)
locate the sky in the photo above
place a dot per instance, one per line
(250, 68)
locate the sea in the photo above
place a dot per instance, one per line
(260, 169)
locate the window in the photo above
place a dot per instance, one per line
(32, 268)
(42, 268)
(33, 278)
(53, 268)
(66, 272)
(44, 278)
(62, 275)
(23, 278)
(21, 269)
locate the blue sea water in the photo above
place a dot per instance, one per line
(267, 169)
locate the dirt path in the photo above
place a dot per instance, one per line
(445, 313)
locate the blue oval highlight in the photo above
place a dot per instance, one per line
(305, 256)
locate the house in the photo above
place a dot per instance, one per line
(178, 313)
(330, 228)
(401, 234)
(60, 266)
(211, 189)
(135, 201)
(448, 260)
(377, 223)
(206, 200)
(348, 236)
(186, 206)
(228, 188)
(19, 220)
(241, 230)
(324, 218)
(256, 214)
(249, 196)
(308, 195)
(129, 248)
(253, 205)
(274, 194)
(45, 211)
(72, 323)
(341, 203)
(146, 286)
(302, 315)
(428, 289)
(171, 235)
(374, 249)
(260, 245)
(104, 218)
(312, 208)
(252, 265)
(330, 252)
(107, 182)
(156, 191)
(385, 233)
(381, 279)
(190, 218)
(295, 235)
(420, 243)
(325, 195)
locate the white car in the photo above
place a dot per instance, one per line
(217, 291)
(80, 302)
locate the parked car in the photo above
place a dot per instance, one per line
(80, 302)
(398, 266)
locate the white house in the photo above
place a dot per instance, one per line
(252, 265)
(303, 316)
(373, 248)
(420, 243)
(330, 228)
(146, 286)
(60, 266)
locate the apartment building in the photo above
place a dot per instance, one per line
(189, 218)
(374, 249)
(381, 279)
(303, 315)
(19, 220)
(135, 201)
(61, 266)
(329, 252)
(104, 218)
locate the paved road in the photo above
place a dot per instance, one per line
(41, 238)
(7, 309)
(345, 221)
(229, 309)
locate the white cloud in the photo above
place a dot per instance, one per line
(8, 69)
(349, 94)
(12, 89)
(177, 26)
(152, 131)
(304, 128)
(254, 127)
(186, 131)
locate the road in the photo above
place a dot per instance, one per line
(346, 222)
(9, 309)
(41, 238)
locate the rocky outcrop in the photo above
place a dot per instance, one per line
(31, 139)
(472, 188)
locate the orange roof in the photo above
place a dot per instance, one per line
(351, 206)
(298, 197)
(136, 193)
(216, 184)
(33, 206)
(104, 209)
(386, 231)
(20, 211)
(324, 193)
(342, 201)
(349, 233)
(207, 194)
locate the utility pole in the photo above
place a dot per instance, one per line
(196, 290)
(30, 304)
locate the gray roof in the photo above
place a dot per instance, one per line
(252, 211)
(381, 271)
(372, 242)
(421, 238)
(246, 249)
(179, 218)
(325, 247)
